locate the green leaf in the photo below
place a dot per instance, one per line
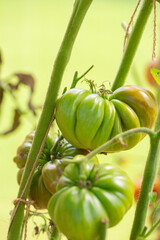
(153, 197)
(156, 74)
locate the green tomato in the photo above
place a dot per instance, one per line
(38, 192)
(53, 169)
(87, 120)
(24, 148)
(19, 175)
(66, 150)
(52, 172)
(86, 195)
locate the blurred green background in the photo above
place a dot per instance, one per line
(30, 36)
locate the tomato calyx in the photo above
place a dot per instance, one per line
(103, 92)
(84, 183)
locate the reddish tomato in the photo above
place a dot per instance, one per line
(156, 187)
(155, 64)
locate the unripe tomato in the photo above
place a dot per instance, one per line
(45, 180)
(51, 173)
(24, 148)
(87, 120)
(88, 193)
(38, 192)
(53, 170)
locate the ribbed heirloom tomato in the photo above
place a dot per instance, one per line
(49, 168)
(24, 148)
(87, 120)
(88, 193)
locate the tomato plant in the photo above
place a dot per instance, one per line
(89, 119)
(88, 193)
(24, 148)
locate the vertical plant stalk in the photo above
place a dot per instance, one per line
(132, 44)
(147, 186)
(103, 229)
(150, 173)
(46, 118)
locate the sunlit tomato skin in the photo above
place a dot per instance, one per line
(87, 120)
(38, 192)
(24, 148)
(51, 173)
(86, 194)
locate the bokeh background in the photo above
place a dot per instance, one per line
(30, 36)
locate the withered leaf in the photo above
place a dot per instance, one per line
(1, 60)
(26, 79)
(15, 124)
(32, 107)
(1, 95)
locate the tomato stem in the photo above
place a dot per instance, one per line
(132, 45)
(46, 118)
(103, 229)
(157, 124)
(76, 79)
(152, 228)
(147, 186)
(118, 138)
(54, 148)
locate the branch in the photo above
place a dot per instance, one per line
(133, 43)
(45, 121)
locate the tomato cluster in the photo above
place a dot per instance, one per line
(82, 193)
(87, 120)
(50, 167)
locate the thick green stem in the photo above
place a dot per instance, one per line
(132, 44)
(103, 229)
(147, 186)
(79, 12)
(157, 124)
(117, 139)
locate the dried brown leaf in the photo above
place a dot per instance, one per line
(1, 94)
(15, 124)
(1, 59)
(26, 79)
